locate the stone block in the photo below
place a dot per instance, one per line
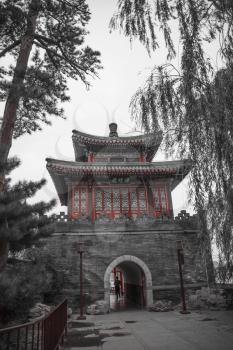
(100, 307)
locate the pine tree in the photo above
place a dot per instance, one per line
(22, 224)
(45, 39)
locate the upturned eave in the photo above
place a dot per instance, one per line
(148, 143)
(61, 170)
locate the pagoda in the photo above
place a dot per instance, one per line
(114, 176)
(119, 205)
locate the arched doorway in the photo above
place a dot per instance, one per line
(137, 279)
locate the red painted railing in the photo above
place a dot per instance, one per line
(46, 333)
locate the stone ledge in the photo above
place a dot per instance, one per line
(125, 233)
(74, 226)
(177, 286)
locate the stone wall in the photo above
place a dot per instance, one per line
(156, 247)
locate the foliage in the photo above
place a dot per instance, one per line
(192, 104)
(40, 255)
(57, 54)
(25, 282)
(20, 287)
(224, 272)
(21, 223)
(198, 20)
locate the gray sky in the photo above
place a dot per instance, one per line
(125, 69)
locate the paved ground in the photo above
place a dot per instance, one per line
(143, 330)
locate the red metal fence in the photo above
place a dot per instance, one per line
(46, 333)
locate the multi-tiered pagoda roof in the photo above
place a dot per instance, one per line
(114, 157)
(147, 144)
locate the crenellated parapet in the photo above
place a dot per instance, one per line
(185, 219)
(147, 222)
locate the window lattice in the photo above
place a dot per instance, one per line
(163, 199)
(107, 199)
(83, 195)
(125, 204)
(98, 199)
(133, 197)
(142, 199)
(156, 199)
(116, 199)
(80, 200)
(76, 200)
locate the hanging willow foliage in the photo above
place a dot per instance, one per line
(193, 105)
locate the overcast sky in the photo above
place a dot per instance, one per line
(125, 69)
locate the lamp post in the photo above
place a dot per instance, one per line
(180, 256)
(80, 250)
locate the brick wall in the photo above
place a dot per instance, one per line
(156, 248)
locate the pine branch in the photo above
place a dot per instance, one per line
(48, 40)
(76, 67)
(9, 48)
(20, 221)
(48, 53)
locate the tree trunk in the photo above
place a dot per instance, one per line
(15, 91)
(4, 250)
(12, 102)
(206, 247)
(209, 265)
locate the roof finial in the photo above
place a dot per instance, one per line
(113, 130)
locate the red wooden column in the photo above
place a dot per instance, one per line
(121, 283)
(93, 204)
(160, 203)
(89, 199)
(103, 206)
(142, 157)
(90, 157)
(70, 199)
(72, 202)
(112, 206)
(169, 200)
(129, 204)
(150, 196)
(79, 201)
(120, 201)
(138, 203)
(147, 202)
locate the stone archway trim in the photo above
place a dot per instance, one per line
(141, 264)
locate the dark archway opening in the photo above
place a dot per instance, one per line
(132, 287)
